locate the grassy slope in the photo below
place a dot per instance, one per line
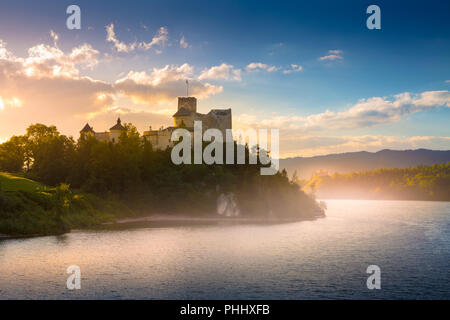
(11, 182)
(28, 207)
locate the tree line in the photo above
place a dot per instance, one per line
(419, 183)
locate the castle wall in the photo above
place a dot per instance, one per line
(188, 120)
(160, 139)
(102, 136)
(218, 119)
(114, 136)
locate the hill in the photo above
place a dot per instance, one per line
(9, 182)
(363, 161)
(134, 174)
(420, 183)
(28, 207)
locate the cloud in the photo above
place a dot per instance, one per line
(142, 119)
(183, 43)
(258, 66)
(119, 45)
(223, 71)
(163, 84)
(294, 68)
(46, 86)
(48, 75)
(159, 39)
(447, 81)
(335, 51)
(55, 37)
(333, 55)
(366, 113)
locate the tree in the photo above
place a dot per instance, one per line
(48, 154)
(12, 154)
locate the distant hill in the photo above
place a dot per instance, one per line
(423, 183)
(363, 161)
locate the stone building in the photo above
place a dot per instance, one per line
(185, 117)
(110, 136)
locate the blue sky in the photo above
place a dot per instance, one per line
(410, 54)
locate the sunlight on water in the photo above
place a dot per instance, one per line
(326, 258)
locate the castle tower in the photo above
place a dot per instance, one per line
(87, 130)
(115, 131)
(118, 126)
(188, 103)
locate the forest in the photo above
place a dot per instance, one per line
(419, 183)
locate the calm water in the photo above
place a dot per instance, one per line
(327, 258)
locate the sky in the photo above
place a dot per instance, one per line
(311, 69)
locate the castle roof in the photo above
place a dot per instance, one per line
(118, 125)
(182, 112)
(87, 128)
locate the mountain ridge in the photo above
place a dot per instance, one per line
(363, 160)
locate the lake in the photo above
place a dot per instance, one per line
(322, 259)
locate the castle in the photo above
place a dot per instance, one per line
(185, 117)
(111, 136)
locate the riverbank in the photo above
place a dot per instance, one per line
(164, 221)
(29, 208)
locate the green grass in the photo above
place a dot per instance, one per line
(9, 182)
(31, 208)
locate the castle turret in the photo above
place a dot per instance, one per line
(118, 126)
(115, 131)
(87, 129)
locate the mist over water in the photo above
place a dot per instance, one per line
(326, 258)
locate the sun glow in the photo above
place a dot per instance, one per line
(13, 102)
(16, 102)
(29, 71)
(101, 96)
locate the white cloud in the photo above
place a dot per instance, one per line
(366, 113)
(163, 84)
(142, 119)
(55, 38)
(294, 68)
(335, 51)
(159, 39)
(223, 71)
(183, 43)
(258, 66)
(333, 55)
(119, 45)
(4, 53)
